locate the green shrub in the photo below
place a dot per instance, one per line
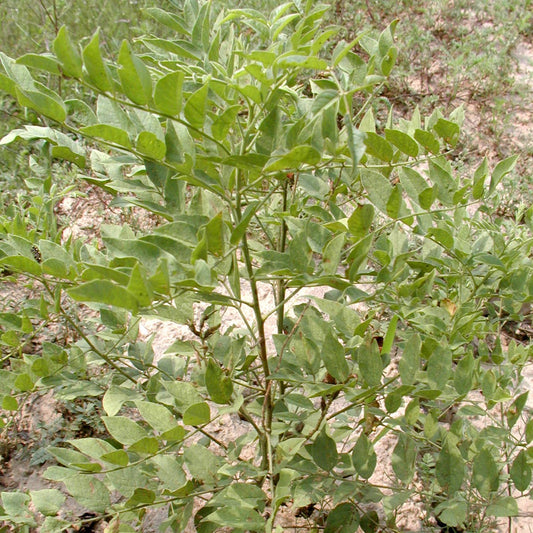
(245, 138)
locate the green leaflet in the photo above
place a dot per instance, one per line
(447, 130)
(196, 107)
(200, 34)
(63, 147)
(123, 429)
(8, 85)
(67, 54)
(67, 456)
(298, 156)
(505, 506)
(480, 175)
(158, 416)
(108, 133)
(80, 112)
(19, 263)
(516, 409)
(485, 473)
(18, 74)
(126, 480)
(344, 518)
(463, 376)
(450, 468)
(170, 472)
(403, 458)
(115, 397)
(145, 445)
(214, 234)
(116, 457)
(359, 256)
(219, 386)
(168, 19)
(324, 451)
(368, 122)
(201, 462)
(40, 62)
(412, 183)
(179, 47)
(56, 260)
(45, 104)
(500, 170)
(104, 292)
(141, 496)
(521, 471)
(332, 253)
(443, 236)
(134, 76)
(97, 71)
(146, 253)
(184, 394)
(356, 144)
(323, 100)
(47, 501)
(314, 186)
(9, 403)
(370, 363)
(15, 503)
(402, 141)
(445, 183)
(270, 129)
(378, 147)
(439, 367)
(224, 122)
(452, 512)
(181, 151)
(150, 145)
(24, 383)
(286, 61)
(89, 492)
(388, 341)
(168, 96)
(364, 457)
(92, 447)
(378, 188)
(197, 414)
(360, 221)
(242, 519)
(334, 358)
(241, 227)
(428, 141)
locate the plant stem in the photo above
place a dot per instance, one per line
(281, 283)
(266, 421)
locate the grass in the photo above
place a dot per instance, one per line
(32, 26)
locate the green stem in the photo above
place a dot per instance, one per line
(281, 284)
(266, 420)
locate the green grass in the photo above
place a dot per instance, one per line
(31, 26)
